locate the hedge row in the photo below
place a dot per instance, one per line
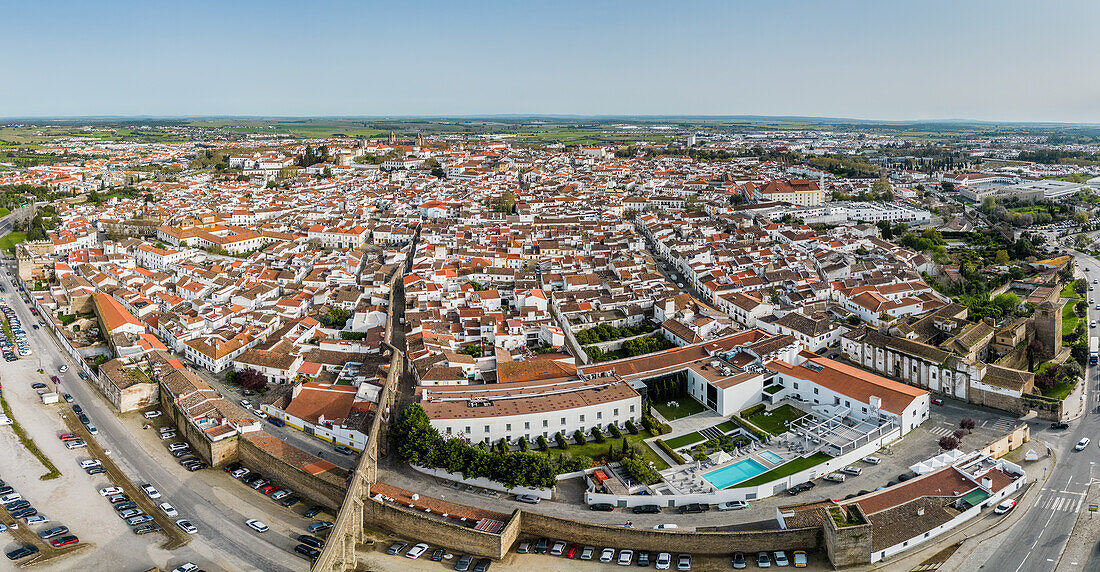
(668, 451)
(756, 431)
(753, 410)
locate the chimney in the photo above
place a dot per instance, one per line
(987, 483)
(875, 402)
(920, 511)
(670, 307)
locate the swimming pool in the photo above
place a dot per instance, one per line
(735, 473)
(771, 457)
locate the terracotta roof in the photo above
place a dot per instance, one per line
(853, 382)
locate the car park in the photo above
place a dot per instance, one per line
(256, 524)
(417, 551)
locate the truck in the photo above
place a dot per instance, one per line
(1094, 349)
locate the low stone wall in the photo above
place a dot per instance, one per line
(402, 521)
(325, 488)
(541, 525)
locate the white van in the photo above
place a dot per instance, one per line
(872, 460)
(835, 477)
(854, 471)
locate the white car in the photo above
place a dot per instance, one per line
(625, 557)
(1005, 507)
(666, 527)
(733, 505)
(150, 491)
(90, 463)
(63, 368)
(10, 497)
(168, 510)
(186, 526)
(256, 525)
(108, 491)
(167, 436)
(781, 558)
(664, 561)
(1080, 446)
(558, 548)
(5, 420)
(416, 551)
(75, 444)
(607, 555)
(37, 519)
(186, 567)
(152, 414)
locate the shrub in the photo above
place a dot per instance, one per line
(544, 445)
(630, 426)
(640, 471)
(502, 445)
(665, 428)
(647, 423)
(562, 443)
(579, 437)
(668, 451)
(523, 445)
(749, 412)
(614, 430)
(598, 435)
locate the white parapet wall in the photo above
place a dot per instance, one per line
(486, 483)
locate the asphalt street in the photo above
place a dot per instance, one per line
(1038, 540)
(214, 502)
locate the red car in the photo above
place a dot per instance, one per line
(64, 541)
(572, 552)
(54, 379)
(69, 436)
(268, 489)
(937, 401)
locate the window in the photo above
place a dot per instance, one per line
(865, 410)
(847, 403)
(599, 415)
(448, 430)
(582, 418)
(545, 422)
(816, 391)
(507, 426)
(632, 409)
(615, 412)
(486, 428)
(796, 385)
(468, 430)
(563, 421)
(526, 424)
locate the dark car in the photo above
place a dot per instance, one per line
(68, 398)
(24, 512)
(22, 552)
(646, 509)
(601, 506)
(127, 505)
(54, 379)
(232, 467)
(344, 450)
(251, 478)
(463, 563)
(437, 555)
(39, 385)
(396, 548)
(6, 490)
(290, 501)
(181, 453)
(196, 467)
(307, 551)
(77, 408)
(483, 565)
(694, 507)
(146, 529)
(84, 419)
(95, 470)
(11, 506)
(311, 540)
(313, 511)
(643, 558)
(115, 499)
(1059, 425)
(52, 532)
(542, 546)
(319, 526)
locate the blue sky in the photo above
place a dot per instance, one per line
(886, 59)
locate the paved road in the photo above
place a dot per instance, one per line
(217, 505)
(1038, 540)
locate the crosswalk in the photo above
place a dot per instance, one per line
(1060, 501)
(941, 431)
(1003, 424)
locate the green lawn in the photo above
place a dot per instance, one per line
(1060, 390)
(1069, 292)
(598, 451)
(1069, 319)
(685, 406)
(684, 440)
(785, 470)
(8, 241)
(774, 421)
(727, 426)
(4, 211)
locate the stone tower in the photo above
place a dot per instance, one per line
(393, 138)
(1048, 328)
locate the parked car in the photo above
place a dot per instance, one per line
(152, 414)
(130, 513)
(664, 561)
(529, 499)
(22, 552)
(146, 528)
(311, 540)
(643, 559)
(558, 549)
(290, 501)
(872, 460)
(462, 564)
(17, 505)
(936, 401)
(416, 551)
(601, 506)
(800, 559)
(36, 519)
(835, 477)
(108, 491)
(126, 506)
(733, 505)
(186, 526)
(396, 548)
(256, 524)
(1005, 506)
(781, 558)
(1059, 425)
(117, 498)
(168, 510)
(482, 565)
(625, 557)
(738, 561)
(694, 508)
(667, 526)
(76, 444)
(542, 545)
(319, 526)
(310, 512)
(281, 494)
(24, 512)
(762, 560)
(437, 555)
(854, 471)
(344, 450)
(683, 562)
(307, 551)
(150, 491)
(52, 532)
(646, 509)
(66, 540)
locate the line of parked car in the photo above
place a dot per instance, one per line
(20, 508)
(464, 562)
(308, 546)
(644, 558)
(21, 345)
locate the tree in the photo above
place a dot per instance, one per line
(1001, 259)
(988, 204)
(249, 378)
(886, 229)
(949, 443)
(1081, 217)
(1080, 285)
(94, 197)
(967, 424)
(1072, 369)
(230, 376)
(1007, 302)
(958, 434)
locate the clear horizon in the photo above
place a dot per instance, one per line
(1001, 62)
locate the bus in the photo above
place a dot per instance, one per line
(1094, 348)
